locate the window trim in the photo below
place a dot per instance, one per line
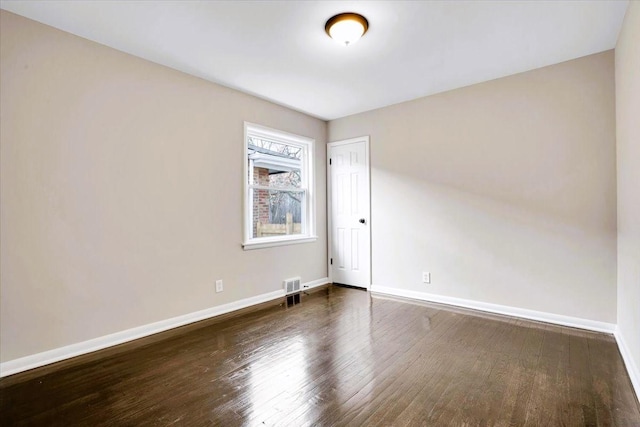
(308, 171)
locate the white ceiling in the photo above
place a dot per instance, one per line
(278, 50)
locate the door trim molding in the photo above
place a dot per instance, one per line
(330, 145)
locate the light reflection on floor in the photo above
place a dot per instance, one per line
(272, 380)
(278, 383)
(359, 319)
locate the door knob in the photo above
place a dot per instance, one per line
(362, 221)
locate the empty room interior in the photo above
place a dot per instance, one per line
(320, 213)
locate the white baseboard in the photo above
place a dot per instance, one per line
(632, 368)
(51, 356)
(315, 283)
(540, 316)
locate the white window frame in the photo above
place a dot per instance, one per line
(308, 226)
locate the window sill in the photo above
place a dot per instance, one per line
(278, 242)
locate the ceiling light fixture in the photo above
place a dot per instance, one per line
(346, 28)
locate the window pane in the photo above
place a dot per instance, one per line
(276, 179)
(277, 213)
(283, 149)
(274, 164)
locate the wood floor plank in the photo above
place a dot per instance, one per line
(427, 349)
(579, 353)
(471, 372)
(389, 407)
(355, 393)
(486, 401)
(611, 406)
(541, 408)
(527, 365)
(341, 357)
(350, 369)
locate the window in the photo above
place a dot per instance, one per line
(279, 200)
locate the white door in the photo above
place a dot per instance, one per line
(349, 212)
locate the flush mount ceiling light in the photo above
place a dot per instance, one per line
(346, 28)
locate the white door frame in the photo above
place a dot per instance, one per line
(330, 145)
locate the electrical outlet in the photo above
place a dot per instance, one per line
(219, 286)
(426, 277)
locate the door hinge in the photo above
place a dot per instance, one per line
(331, 261)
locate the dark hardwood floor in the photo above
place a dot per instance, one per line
(340, 357)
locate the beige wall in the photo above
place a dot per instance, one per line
(121, 187)
(505, 191)
(628, 156)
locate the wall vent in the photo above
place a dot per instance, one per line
(291, 286)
